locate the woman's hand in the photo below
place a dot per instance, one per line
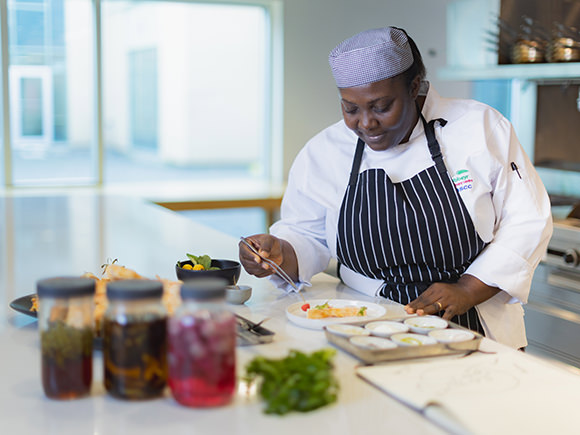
(453, 299)
(277, 250)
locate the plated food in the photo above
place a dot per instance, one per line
(369, 311)
(326, 310)
(114, 272)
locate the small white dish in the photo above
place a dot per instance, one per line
(451, 335)
(375, 343)
(424, 324)
(386, 328)
(346, 330)
(238, 294)
(410, 339)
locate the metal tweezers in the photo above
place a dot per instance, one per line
(279, 271)
(250, 333)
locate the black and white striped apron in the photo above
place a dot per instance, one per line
(408, 234)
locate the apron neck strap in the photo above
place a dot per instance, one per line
(434, 147)
(360, 146)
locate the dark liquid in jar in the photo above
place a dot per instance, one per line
(67, 361)
(202, 360)
(134, 353)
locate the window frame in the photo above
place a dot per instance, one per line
(273, 104)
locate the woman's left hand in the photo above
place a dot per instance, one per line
(452, 299)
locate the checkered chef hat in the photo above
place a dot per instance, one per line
(370, 56)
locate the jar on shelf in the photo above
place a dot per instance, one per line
(202, 346)
(66, 325)
(135, 340)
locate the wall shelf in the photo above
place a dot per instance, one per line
(561, 72)
(513, 88)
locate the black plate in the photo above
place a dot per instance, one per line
(24, 305)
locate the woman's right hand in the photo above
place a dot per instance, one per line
(268, 246)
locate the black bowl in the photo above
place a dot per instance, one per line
(228, 269)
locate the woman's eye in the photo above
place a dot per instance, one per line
(350, 110)
(382, 109)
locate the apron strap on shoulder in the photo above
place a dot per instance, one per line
(360, 146)
(434, 147)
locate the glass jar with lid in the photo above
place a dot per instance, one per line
(66, 325)
(135, 340)
(202, 346)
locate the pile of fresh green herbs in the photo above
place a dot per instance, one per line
(299, 382)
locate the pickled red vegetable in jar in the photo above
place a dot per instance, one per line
(135, 340)
(66, 326)
(202, 346)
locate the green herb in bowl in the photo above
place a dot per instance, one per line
(203, 267)
(203, 260)
(299, 382)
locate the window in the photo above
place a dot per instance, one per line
(31, 88)
(143, 111)
(185, 91)
(51, 88)
(31, 97)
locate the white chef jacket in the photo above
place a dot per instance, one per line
(508, 204)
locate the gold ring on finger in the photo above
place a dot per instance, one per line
(438, 306)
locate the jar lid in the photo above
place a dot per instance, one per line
(204, 289)
(130, 289)
(65, 286)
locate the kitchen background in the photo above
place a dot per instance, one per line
(182, 93)
(187, 92)
(204, 98)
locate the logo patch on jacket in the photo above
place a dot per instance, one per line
(462, 180)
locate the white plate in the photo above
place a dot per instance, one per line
(372, 342)
(410, 339)
(451, 335)
(386, 328)
(424, 324)
(296, 315)
(347, 330)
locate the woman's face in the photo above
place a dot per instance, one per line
(383, 113)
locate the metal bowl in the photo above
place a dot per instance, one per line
(528, 51)
(238, 294)
(564, 50)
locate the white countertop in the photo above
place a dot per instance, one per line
(45, 236)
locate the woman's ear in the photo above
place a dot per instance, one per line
(415, 86)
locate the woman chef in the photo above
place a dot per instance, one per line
(430, 202)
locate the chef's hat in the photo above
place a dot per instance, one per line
(370, 56)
